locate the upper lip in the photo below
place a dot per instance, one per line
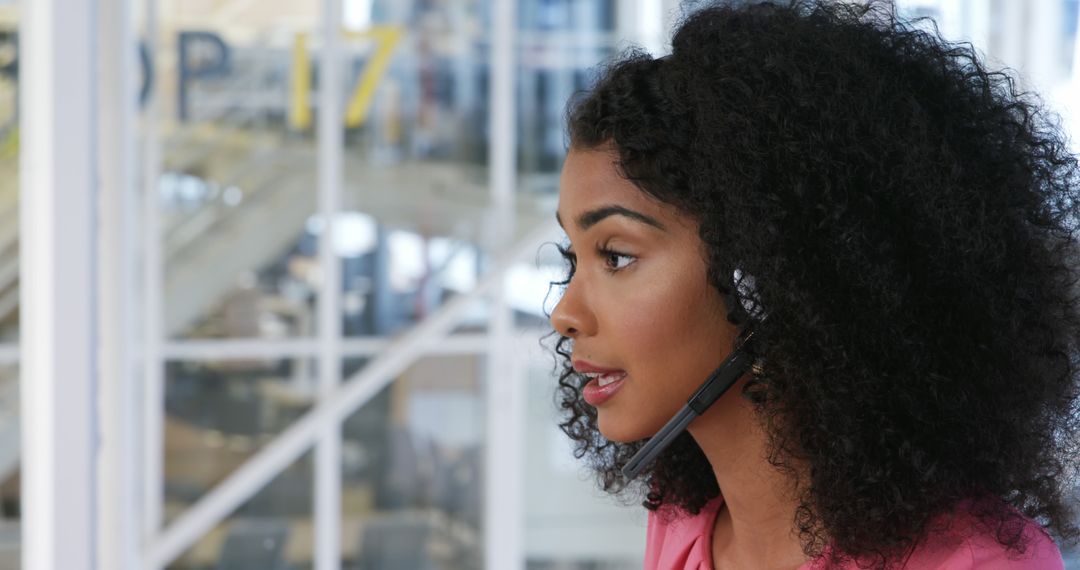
(587, 367)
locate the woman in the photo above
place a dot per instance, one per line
(896, 225)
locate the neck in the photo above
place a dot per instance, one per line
(755, 527)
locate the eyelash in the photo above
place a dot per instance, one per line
(602, 251)
(608, 253)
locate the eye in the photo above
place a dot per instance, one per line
(615, 260)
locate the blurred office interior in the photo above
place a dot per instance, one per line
(290, 260)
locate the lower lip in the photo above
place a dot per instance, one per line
(596, 395)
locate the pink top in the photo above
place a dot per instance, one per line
(686, 544)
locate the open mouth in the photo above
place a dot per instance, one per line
(605, 378)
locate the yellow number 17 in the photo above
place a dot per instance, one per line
(386, 38)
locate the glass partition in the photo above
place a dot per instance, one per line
(10, 473)
(9, 172)
(219, 413)
(238, 173)
(10, 413)
(272, 531)
(412, 461)
(415, 161)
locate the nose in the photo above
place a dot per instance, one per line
(571, 316)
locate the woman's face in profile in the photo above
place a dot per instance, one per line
(642, 315)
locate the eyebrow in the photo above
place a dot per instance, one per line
(593, 217)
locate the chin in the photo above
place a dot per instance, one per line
(624, 430)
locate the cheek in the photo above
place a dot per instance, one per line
(676, 327)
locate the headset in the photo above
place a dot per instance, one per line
(739, 362)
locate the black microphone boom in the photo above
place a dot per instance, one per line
(733, 367)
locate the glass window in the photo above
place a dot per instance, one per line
(412, 460)
(9, 172)
(219, 413)
(271, 530)
(10, 487)
(238, 178)
(415, 161)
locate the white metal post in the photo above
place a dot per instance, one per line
(1043, 33)
(118, 470)
(58, 177)
(1075, 76)
(503, 501)
(646, 23)
(671, 16)
(153, 286)
(330, 174)
(976, 23)
(1012, 19)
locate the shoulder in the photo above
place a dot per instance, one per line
(676, 540)
(967, 545)
(957, 541)
(1041, 553)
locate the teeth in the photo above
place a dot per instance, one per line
(606, 378)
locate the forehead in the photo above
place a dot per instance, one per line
(592, 178)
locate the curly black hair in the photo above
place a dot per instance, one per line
(910, 220)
